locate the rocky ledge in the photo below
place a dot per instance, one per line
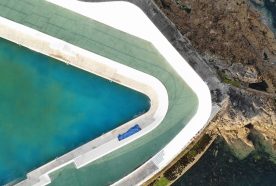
(248, 122)
(231, 37)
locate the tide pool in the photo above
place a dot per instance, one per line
(48, 108)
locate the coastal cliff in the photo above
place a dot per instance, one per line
(241, 49)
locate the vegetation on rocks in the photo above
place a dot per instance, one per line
(177, 168)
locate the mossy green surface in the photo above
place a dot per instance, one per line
(162, 182)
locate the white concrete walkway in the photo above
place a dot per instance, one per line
(121, 15)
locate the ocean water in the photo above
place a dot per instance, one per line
(218, 167)
(48, 108)
(270, 7)
(268, 12)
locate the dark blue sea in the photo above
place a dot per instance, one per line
(218, 167)
(268, 12)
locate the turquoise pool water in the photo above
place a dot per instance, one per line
(48, 108)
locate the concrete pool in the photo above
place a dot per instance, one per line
(189, 104)
(49, 108)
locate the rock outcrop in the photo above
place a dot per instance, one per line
(231, 33)
(231, 37)
(248, 122)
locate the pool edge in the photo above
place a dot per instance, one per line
(121, 74)
(200, 119)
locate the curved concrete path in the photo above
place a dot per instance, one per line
(123, 17)
(189, 98)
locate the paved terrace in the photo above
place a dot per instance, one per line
(128, 50)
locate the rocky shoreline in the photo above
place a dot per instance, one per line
(231, 37)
